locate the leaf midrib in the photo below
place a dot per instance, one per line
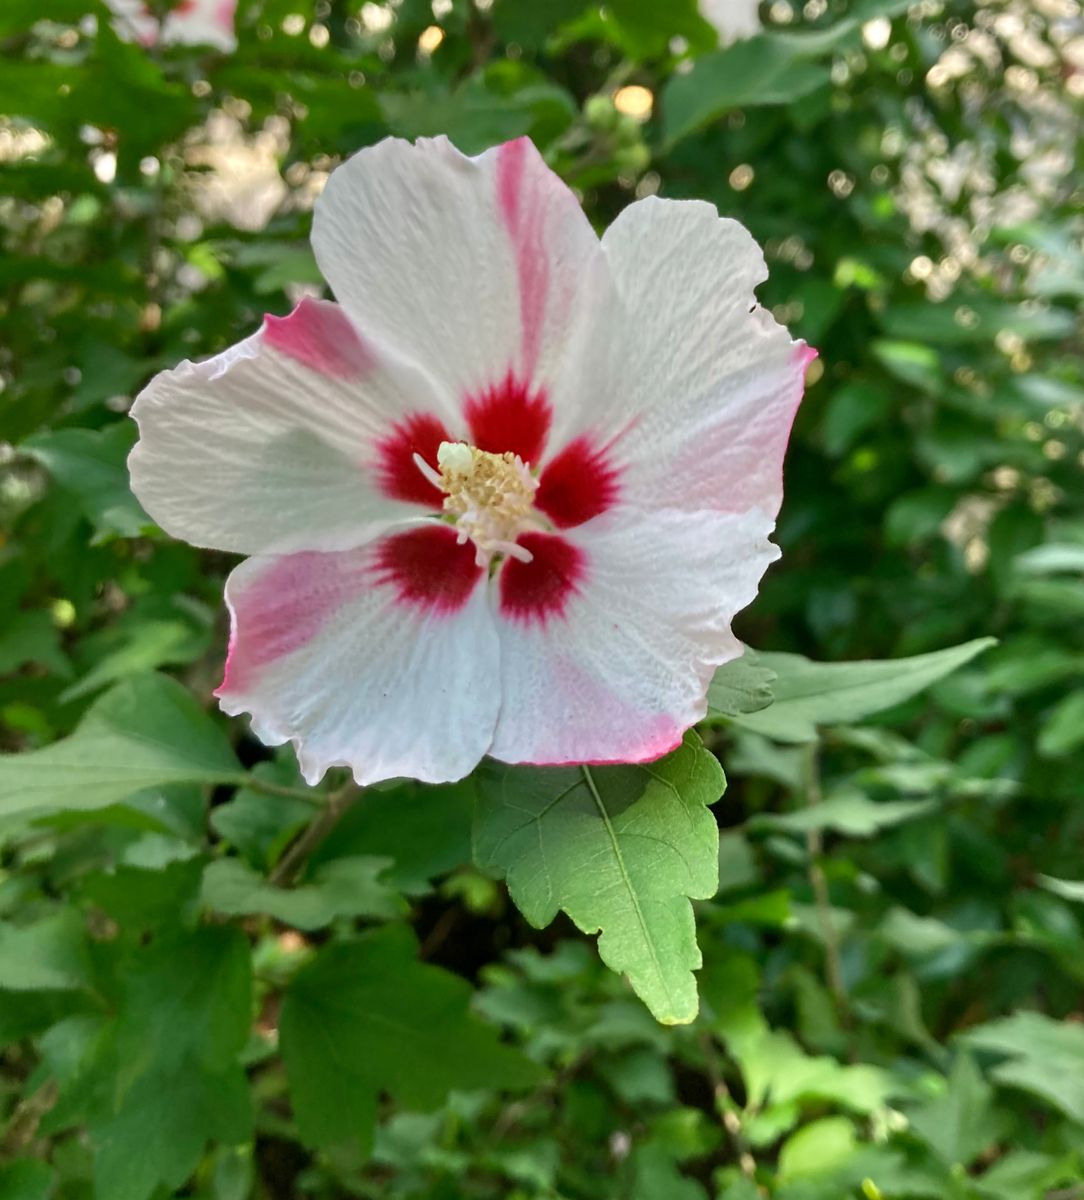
(626, 879)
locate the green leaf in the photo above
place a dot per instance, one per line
(148, 644)
(808, 694)
(146, 732)
(775, 1068)
(90, 464)
(1026, 1173)
(27, 1179)
(259, 825)
(18, 16)
(1044, 1057)
(621, 850)
(919, 937)
(160, 1078)
(1067, 889)
(530, 24)
(959, 323)
(851, 813)
(771, 69)
(32, 637)
(141, 899)
(475, 118)
(50, 954)
(1063, 731)
(1052, 559)
(644, 28)
(343, 887)
(852, 410)
(818, 1149)
(275, 264)
(759, 72)
(656, 1177)
(959, 1124)
(160, 1131)
(364, 1017)
(741, 686)
(424, 829)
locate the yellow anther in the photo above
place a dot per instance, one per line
(489, 496)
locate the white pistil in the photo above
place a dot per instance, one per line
(427, 471)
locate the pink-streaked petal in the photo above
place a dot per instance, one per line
(321, 337)
(274, 445)
(577, 484)
(470, 267)
(429, 568)
(541, 589)
(709, 380)
(508, 416)
(326, 654)
(622, 670)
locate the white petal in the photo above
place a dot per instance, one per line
(710, 382)
(476, 268)
(733, 19)
(192, 23)
(624, 670)
(272, 445)
(202, 23)
(325, 653)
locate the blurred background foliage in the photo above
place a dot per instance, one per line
(891, 997)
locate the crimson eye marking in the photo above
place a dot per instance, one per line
(428, 568)
(541, 589)
(577, 485)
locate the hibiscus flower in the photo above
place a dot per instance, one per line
(188, 23)
(506, 496)
(734, 20)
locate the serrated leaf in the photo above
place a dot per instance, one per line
(365, 1017)
(146, 732)
(809, 694)
(741, 686)
(160, 1131)
(343, 887)
(158, 1078)
(1043, 1056)
(960, 1123)
(621, 850)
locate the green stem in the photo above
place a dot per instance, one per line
(313, 834)
(724, 1106)
(264, 787)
